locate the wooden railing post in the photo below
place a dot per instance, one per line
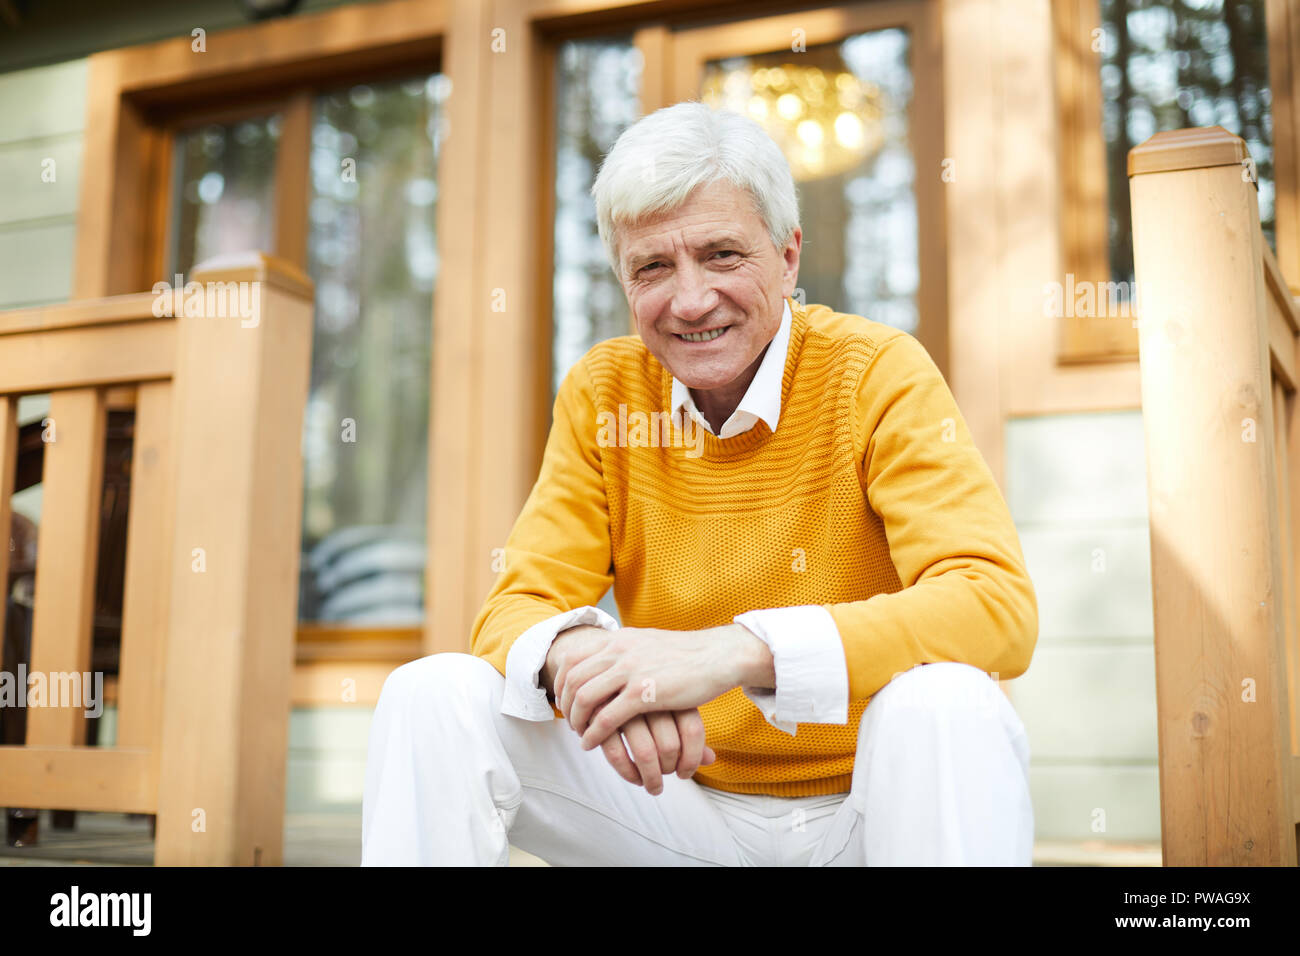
(241, 381)
(1216, 541)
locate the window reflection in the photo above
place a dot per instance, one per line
(1168, 64)
(372, 255)
(225, 184)
(840, 114)
(597, 98)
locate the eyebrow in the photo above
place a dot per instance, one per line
(715, 244)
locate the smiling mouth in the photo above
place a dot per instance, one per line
(702, 336)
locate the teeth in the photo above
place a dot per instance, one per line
(703, 336)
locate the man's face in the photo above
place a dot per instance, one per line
(708, 266)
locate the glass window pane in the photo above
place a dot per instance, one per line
(225, 185)
(372, 254)
(840, 114)
(1170, 64)
(597, 98)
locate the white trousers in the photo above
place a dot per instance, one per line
(940, 778)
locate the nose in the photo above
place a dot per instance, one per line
(693, 296)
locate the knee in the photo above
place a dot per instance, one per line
(950, 710)
(946, 691)
(438, 680)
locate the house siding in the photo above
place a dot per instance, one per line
(1076, 486)
(44, 112)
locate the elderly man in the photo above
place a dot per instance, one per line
(817, 577)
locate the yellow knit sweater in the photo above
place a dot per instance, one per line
(870, 498)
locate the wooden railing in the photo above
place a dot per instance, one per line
(211, 576)
(1218, 333)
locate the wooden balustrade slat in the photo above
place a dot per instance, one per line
(8, 462)
(1281, 344)
(1295, 792)
(148, 571)
(67, 544)
(1283, 322)
(1287, 468)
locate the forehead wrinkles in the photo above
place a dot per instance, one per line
(711, 213)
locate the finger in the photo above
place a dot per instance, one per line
(555, 694)
(575, 671)
(589, 698)
(575, 646)
(611, 715)
(663, 727)
(617, 756)
(690, 731)
(574, 675)
(557, 683)
(641, 745)
(709, 756)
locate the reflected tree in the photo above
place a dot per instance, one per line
(1173, 64)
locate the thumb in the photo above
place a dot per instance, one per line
(709, 755)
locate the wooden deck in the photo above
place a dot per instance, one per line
(119, 839)
(115, 839)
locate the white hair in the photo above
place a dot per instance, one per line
(660, 159)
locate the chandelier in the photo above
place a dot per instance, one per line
(826, 121)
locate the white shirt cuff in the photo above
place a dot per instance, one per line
(812, 677)
(523, 697)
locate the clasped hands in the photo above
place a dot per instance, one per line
(646, 685)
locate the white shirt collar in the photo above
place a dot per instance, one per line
(762, 398)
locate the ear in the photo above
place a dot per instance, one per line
(790, 274)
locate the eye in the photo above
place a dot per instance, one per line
(652, 265)
(727, 252)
